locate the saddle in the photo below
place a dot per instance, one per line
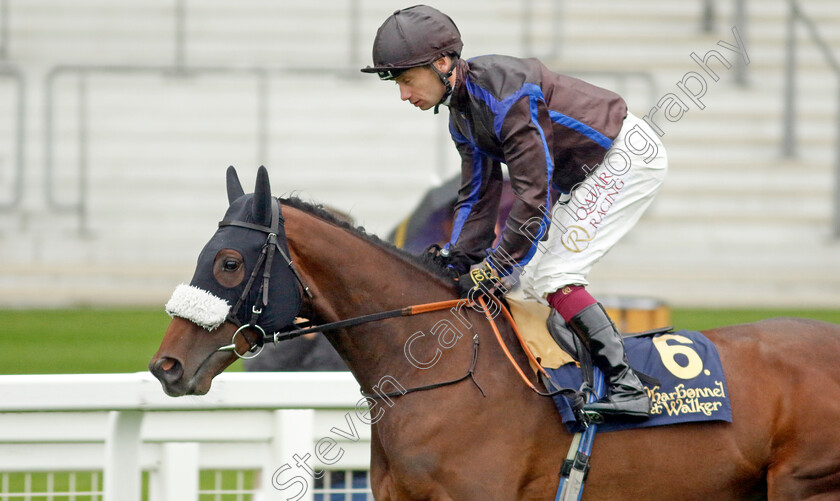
(532, 319)
(689, 384)
(681, 370)
(545, 333)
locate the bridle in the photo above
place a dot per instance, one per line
(271, 246)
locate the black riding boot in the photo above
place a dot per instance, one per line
(626, 397)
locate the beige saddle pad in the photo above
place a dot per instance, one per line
(530, 317)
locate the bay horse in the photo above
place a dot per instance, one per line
(493, 438)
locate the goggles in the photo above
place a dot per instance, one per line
(390, 74)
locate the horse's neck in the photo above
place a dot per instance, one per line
(355, 275)
(351, 276)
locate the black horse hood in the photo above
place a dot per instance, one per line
(252, 225)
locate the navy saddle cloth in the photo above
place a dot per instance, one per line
(692, 384)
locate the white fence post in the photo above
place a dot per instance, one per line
(282, 478)
(65, 422)
(178, 474)
(122, 456)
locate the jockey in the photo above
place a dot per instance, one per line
(579, 163)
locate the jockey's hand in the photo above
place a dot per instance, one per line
(454, 260)
(481, 279)
(433, 253)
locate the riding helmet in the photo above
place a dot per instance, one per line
(411, 37)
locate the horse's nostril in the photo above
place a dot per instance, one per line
(168, 369)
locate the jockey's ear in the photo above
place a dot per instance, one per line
(442, 64)
(234, 187)
(262, 198)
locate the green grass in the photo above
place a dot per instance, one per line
(56, 486)
(700, 319)
(37, 483)
(82, 341)
(110, 340)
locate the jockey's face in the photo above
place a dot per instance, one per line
(421, 86)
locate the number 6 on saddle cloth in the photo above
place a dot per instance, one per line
(681, 371)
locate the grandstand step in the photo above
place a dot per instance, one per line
(735, 223)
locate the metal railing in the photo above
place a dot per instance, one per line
(4, 29)
(528, 30)
(12, 71)
(789, 142)
(16, 75)
(262, 75)
(83, 72)
(739, 20)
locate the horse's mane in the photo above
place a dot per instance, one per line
(424, 261)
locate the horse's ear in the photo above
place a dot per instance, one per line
(234, 187)
(262, 198)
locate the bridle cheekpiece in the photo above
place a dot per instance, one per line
(271, 246)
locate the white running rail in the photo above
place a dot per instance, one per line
(123, 424)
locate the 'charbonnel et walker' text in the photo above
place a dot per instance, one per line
(684, 400)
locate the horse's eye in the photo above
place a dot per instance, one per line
(228, 268)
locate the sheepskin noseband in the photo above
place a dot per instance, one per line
(198, 306)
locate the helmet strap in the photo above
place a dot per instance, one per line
(444, 79)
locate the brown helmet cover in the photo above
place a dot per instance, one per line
(410, 37)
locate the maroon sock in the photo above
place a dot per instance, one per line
(570, 300)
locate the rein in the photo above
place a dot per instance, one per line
(574, 395)
(273, 244)
(350, 322)
(407, 311)
(373, 317)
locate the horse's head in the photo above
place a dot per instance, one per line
(224, 312)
